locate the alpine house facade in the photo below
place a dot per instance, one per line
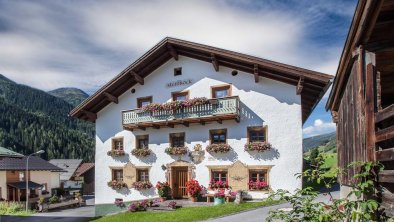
(189, 111)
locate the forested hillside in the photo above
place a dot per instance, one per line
(73, 96)
(32, 119)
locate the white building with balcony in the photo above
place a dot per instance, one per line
(198, 112)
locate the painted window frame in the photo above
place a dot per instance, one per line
(227, 87)
(220, 172)
(140, 100)
(138, 138)
(177, 135)
(217, 131)
(180, 93)
(114, 176)
(116, 140)
(257, 128)
(143, 170)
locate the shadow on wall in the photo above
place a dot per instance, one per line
(231, 156)
(122, 159)
(266, 155)
(149, 159)
(147, 192)
(124, 191)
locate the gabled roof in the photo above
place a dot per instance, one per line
(9, 153)
(310, 84)
(83, 169)
(69, 167)
(35, 163)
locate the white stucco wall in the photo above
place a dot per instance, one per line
(267, 102)
(3, 184)
(52, 179)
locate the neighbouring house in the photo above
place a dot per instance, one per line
(362, 96)
(67, 178)
(85, 173)
(185, 110)
(43, 177)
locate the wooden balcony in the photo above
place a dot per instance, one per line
(216, 110)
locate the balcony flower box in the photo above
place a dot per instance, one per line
(176, 150)
(141, 152)
(142, 185)
(218, 148)
(174, 105)
(116, 153)
(258, 185)
(257, 146)
(117, 185)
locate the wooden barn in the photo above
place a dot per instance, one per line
(362, 96)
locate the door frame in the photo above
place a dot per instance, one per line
(171, 169)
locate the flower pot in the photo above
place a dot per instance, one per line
(193, 199)
(162, 199)
(218, 200)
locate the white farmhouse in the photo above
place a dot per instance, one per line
(230, 100)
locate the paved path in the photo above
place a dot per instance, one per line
(260, 214)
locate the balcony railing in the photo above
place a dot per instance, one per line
(216, 110)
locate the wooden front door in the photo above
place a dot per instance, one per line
(179, 179)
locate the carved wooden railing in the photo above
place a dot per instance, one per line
(215, 107)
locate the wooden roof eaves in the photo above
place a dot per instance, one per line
(363, 20)
(319, 80)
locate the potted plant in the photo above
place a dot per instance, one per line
(218, 148)
(142, 185)
(218, 197)
(193, 188)
(141, 152)
(172, 205)
(176, 150)
(116, 185)
(257, 146)
(163, 189)
(119, 202)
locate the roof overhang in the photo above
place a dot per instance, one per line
(310, 85)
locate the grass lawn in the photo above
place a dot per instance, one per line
(187, 214)
(12, 208)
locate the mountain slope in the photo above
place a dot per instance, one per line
(32, 119)
(73, 96)
(328, 140)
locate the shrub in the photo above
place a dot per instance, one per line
(163, 189)
(141, 152)
(119, 202)
(53, 199)
(176, 150)
(218, 148)
(142, 185)
(193, 188)
(138, 206)
(13, 208)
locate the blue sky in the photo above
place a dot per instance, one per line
(83, 44)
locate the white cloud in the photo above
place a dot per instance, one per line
(319, 127)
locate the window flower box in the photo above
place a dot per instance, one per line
(257, 146)
(117, 185)
(218, 185)
(116, 153)
(258, 185)
(142, 185)
(218, 148)
(176, 150)
(141, 152)
(174, 105)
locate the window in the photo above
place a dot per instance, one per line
(117, 174)
(177, 139)
(144, 101)
(178, 71)
(143, 175)
(219, 175)
(117, 143)
(258, 175)
(142, 141)
(21, 176)
(257, 134)
(221, 91)
(218, 136)
(180, 96)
